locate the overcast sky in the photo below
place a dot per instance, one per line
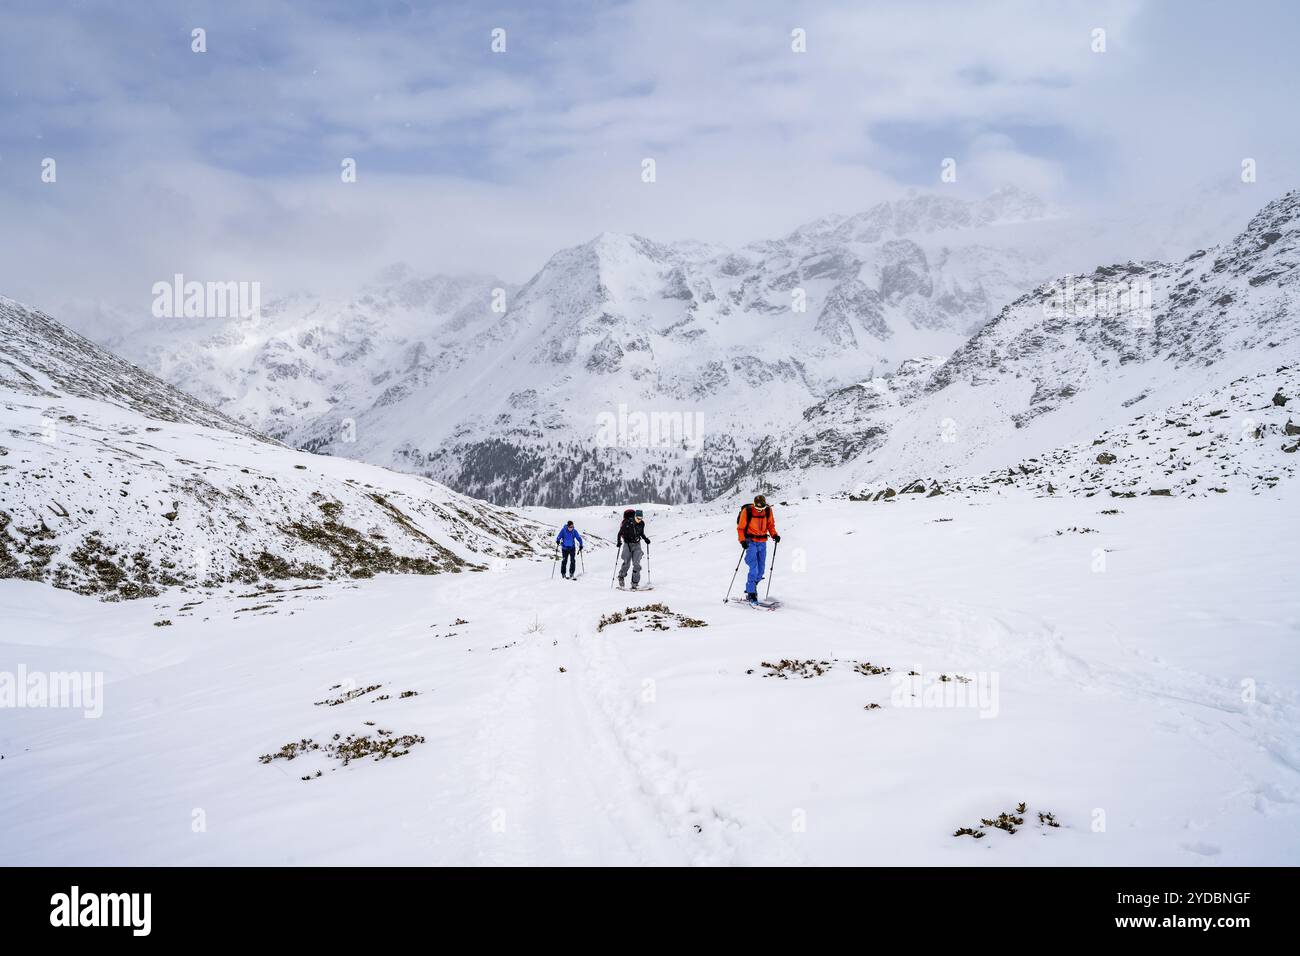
(226, 164)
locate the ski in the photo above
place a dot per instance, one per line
(768, 604)
(637, 589)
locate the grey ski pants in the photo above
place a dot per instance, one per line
(631, 555)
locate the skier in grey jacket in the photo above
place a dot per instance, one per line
(630, 535)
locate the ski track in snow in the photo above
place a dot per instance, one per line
(576, 776)
(684, 810)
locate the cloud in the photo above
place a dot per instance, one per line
(226, 164)
(993, 160)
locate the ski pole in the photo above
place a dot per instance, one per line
(582, 560)
(771, 570)
(647, 564)
(617, 550)
(733, 576)
(554, 554)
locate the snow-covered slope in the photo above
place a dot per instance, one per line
(1074, 361)
(113, 482)
(508, 406)
(44, 359)
(977, 655)
(1240, 437)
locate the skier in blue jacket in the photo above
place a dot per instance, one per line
(569, 541)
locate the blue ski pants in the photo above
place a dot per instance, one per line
(756, 561)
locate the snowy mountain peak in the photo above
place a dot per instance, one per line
(1272, 236)
(1013, 204)
(923, 214)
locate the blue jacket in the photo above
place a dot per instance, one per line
(568, 536)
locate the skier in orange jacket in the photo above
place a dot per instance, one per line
(754, 525)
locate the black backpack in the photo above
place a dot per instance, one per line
(628, 530)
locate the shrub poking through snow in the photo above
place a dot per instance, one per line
(786, 668)
(291, 750)
(347, 749)
(1009, 821)
(350, 695)
(651, 617)
(868, 669)
(356, 747)
(1005, 821)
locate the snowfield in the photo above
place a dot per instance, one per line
(1138, 673)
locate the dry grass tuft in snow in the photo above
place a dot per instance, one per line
(651, 617)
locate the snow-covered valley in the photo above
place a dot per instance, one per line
(1039, 607)
(828, 358)
(1132, 672)
(496, 389)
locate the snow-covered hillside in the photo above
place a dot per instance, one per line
(1240, 437)
(114, 483)
(1107, 355)
(41, 358)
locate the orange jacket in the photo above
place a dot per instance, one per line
(754, 524)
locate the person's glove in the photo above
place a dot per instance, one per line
(645, 539)
(776, 538)
(580, 547)
(744, 546)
